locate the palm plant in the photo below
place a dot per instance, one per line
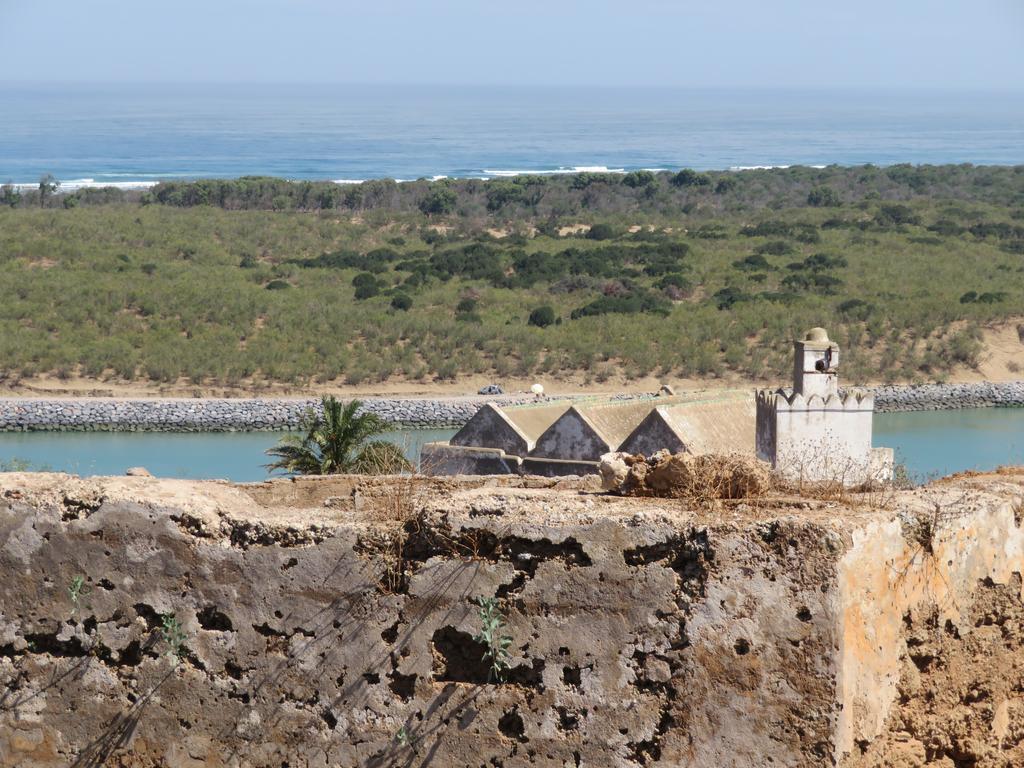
(338, 442)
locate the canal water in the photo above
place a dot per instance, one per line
(929, 443)
(238, 456)
(936, 443)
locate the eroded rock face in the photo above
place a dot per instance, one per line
(959, 694)
(147, 622)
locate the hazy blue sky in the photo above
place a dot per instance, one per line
(962, 44)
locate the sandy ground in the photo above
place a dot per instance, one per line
(1002, 360)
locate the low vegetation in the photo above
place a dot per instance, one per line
(689, 274)
(76, 591)
(491, 636)
(338, 441)
(174, 637)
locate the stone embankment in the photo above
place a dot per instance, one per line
(218, 415)
(937, 397)
(226, 415)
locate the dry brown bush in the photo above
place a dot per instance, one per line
(395, 506)
(704, 480)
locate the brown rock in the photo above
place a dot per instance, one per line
(642, 632)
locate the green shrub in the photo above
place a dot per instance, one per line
(992, 298)
(364, 278)
(674, 280)
(896, 214)
(806, 233)
(632, 302)
(780, 297)
(584, 180)
(366, 291)
(996, 229)
(823, 197)
(728, 297)
(947, 228)
(635, 179)
(690, 178)
(767, 229)
(501, 193)
(602, 232)
(754, 262)
(725, 185)
(673, 291)
(542, 317)
(9, 196)
(401, 302)
(814, 281)
(439, 201)
(432, 236)
(961, 348)
(710, 232)
(824, 261)
(775, 248)
(854, 309)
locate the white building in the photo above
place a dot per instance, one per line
(812, 433)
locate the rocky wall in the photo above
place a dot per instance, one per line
(337, 622)
(233, 414)
(938, 397)
(216, 414)
(237, 414)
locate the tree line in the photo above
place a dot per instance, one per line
(555, 197)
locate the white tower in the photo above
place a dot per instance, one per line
(816, 364)
(811, 433)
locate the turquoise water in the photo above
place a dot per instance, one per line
(136, 134)
(937, 443)
(237, 456)
(931, 443)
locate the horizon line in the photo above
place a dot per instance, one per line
(843, 88)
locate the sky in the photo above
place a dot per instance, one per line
(918, 44)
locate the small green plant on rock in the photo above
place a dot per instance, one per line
(173, 636)
(490, 635)
(76, 591)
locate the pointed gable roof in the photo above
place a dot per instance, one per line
(588, 430)
(572, 436)
(719, 423)
(513, 430)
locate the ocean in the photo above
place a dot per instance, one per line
(134, 135)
